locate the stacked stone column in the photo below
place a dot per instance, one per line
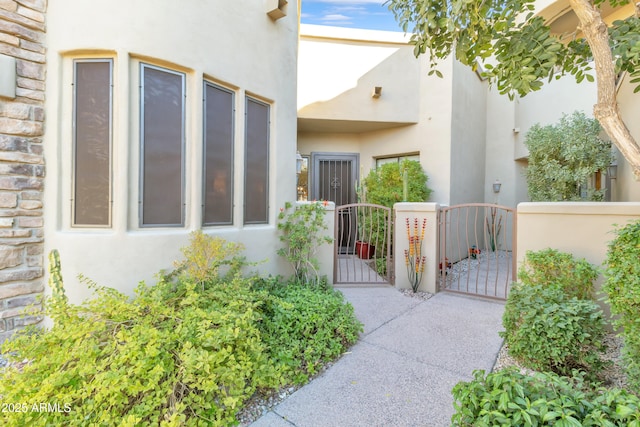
(22, 36)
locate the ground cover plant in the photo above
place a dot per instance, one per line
(623, 291)
(552, 325)
(510, 398)
(551, 321)
(190, 350)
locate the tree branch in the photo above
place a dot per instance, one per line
(606, 110)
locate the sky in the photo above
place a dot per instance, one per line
(368, 14)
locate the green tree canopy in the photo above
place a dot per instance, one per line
(519, 52)
(384, 185)
(563, 158)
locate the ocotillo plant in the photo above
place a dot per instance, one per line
(413, 258)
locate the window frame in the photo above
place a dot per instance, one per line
(204, 153)
(249, 98)
(143, 66)
(74, 143)
(397, 157)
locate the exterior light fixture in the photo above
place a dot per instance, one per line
(612, 170)
(299, 161)
(377, 91)
(496, 186)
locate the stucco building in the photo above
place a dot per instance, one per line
(363, 98)
(162, 117)
(124, 126)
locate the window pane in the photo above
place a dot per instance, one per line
(162, 140)
(303, 180)
(256, 163)
(218, 166)
(92, 151)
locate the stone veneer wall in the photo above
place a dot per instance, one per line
(22, 36)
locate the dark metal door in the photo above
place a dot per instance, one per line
(334, 178)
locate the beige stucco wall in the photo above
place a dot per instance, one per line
(547, 106)
(338, 69)
(430, 137)
(202, 40)
(468, 136)
(337, 78)
(500, 146)
(627, 185)
(428, 211)
(582, 229)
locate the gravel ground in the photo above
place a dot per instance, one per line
(419, 295)
(613, 376)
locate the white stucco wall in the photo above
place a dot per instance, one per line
(202, 40)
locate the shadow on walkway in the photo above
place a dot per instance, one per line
(401, 372)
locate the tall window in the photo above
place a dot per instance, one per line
(162, 142)
(92, 143)
(218, 155)
(256, 169)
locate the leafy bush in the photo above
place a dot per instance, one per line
(564, 157)
(548, 331)
(174, 355)
(623, 290)
(188, 351)
(301, 227)
(550, 267)
(509, 398)
(384, 185)
(207, 255)
(305, 326)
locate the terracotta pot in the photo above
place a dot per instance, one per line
(365, 250)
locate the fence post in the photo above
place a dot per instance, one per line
(404, 211)
(326, 252)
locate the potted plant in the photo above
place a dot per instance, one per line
(363, 248)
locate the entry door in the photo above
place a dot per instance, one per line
(333, 178)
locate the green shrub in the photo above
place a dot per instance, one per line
(545, 330)
(623, 290)
(550, 267)
(188, 351)
(174, 355)
(384, 185)
(302, 229)
(563, 157)
(305, 326)
(508, 398)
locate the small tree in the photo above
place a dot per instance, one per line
(301, 229)
(563, 158)
(519, 52)
(385, 185)
(388, 184)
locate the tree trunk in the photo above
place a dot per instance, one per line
(606, 110)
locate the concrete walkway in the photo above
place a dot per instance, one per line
(402, 370)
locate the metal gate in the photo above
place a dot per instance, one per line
(477, 249)
(362, 244)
